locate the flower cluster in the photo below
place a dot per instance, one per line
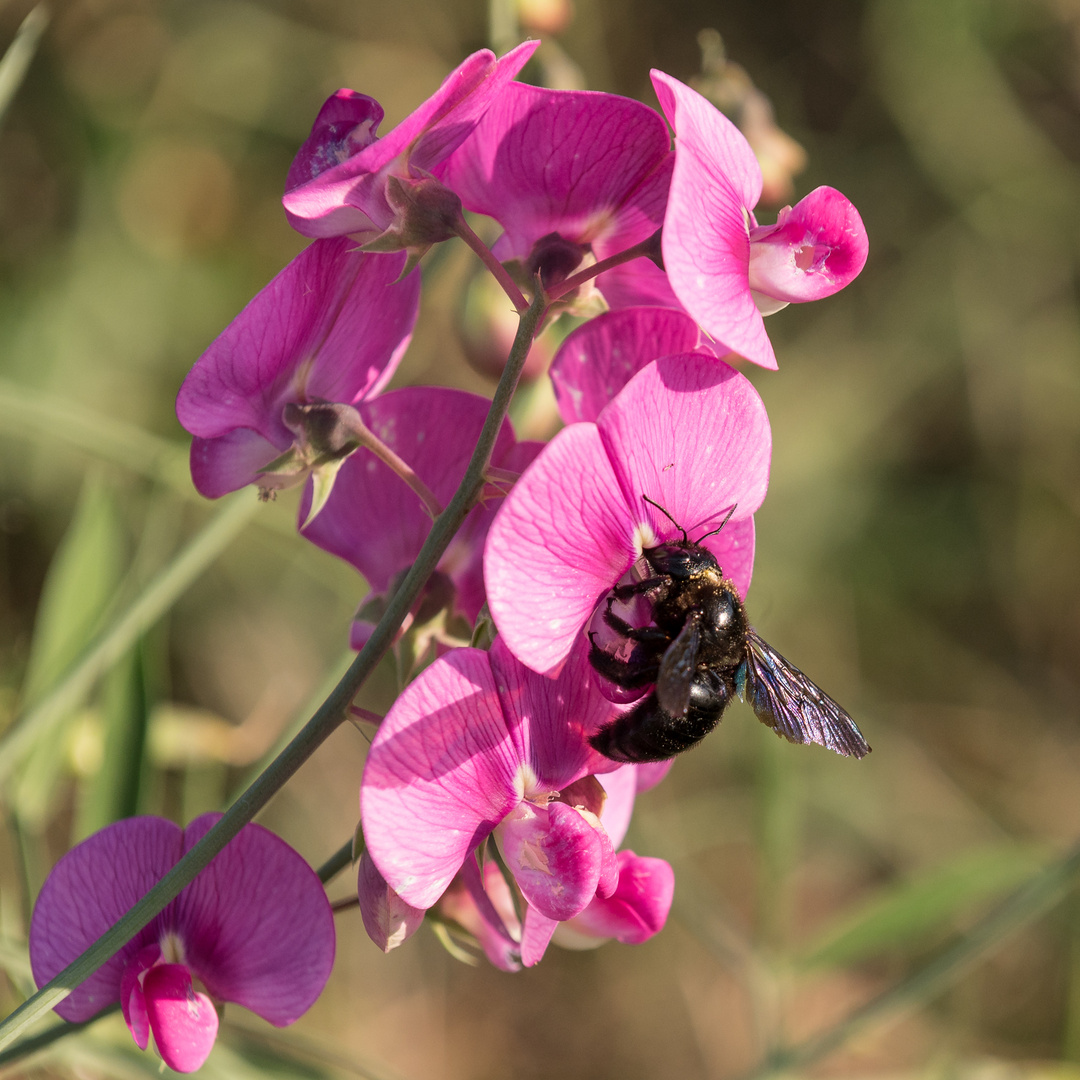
(485, 801)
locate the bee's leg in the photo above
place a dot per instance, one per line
(651, 634)
(636, 588)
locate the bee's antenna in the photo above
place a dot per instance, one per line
(727, 518)
(652, 502)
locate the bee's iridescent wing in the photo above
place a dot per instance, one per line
(785, 699)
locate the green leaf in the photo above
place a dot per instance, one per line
(912, 910)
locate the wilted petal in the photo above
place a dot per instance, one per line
(184, 1021)
(815, 248)
(601, 356)
(441, 773)
(388, 920)
(80, 900)
(562, 538)
(256, 924)
(555, 855)
(692, 434)
(638, 909)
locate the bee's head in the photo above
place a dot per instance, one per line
(681, 559)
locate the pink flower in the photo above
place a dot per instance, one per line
(476, 745)
(338, 183)
(602, 355)
(374, 521)
(571, 175)
(331, 326)
(254, 927)
(688, 432)
(726, 270)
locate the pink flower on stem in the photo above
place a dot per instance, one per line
(602, 355)
(254, 927)
(688, 432)
(726, 270)
(331, 327)
(573, 176)
(338, 184)
(375, 522)
(479, 745)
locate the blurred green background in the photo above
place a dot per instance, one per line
(919, 551)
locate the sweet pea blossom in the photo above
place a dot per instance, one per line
(476, 745)
(573, 176)
(725, 269)
(338, 182)
(331, 327)
(375, 522)
(688, 432)
(254, 927)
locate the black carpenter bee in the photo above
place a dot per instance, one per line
(699, 652)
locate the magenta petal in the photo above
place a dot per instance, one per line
(231, 461)
(441, 773)
(562, 538)
(256, 925)
(592, 167)
(536, 936)
(132, 998)
(598, 359)
(331, 326)
(815, 248)
(555, 855)
(692, 434)
(388, 920)
(80, 901)
(638, 909)
(184, 1022)
(485, 908)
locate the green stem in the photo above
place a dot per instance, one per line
(1028, 902)
(497, 269)
(337, 862)
(325, 721)
(154, 601)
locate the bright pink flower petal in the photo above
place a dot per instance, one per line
(483, 906)
(132, 998)
(591, 167)
(601, 356)
(331, 326)
(692, 434)
(388, 920)
(441, 773)
(637, 283)
(351, 196)
(555, 855)
(80, 901)
(184, 1022)
(536, 936)
(638, 909)
(815, 248)
(562, 538)
(256, 925)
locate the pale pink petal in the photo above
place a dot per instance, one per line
(621, 786)
(562, 538)
(536, 936)
(231, 461)
(388, 920)
(555, 855)
(598, 359)
(184, 1022)
(441, 773)
(815, 248)
(591, 167)
(692, 434)
(638, 283)
(638, 909)
(651, 773)
(80, 900)
(351, 196)
(256, 925)
(482, 904)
